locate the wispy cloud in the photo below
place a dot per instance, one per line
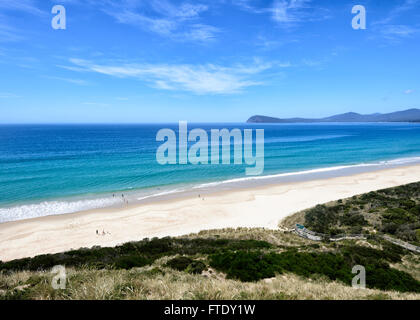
(79, 82)
(7, 95)
(397, 11)
(409, 91)
(184, 11)
(178, 22)
(8, 31)
(287, 13)
(200, 32)
(392, 32)
(198, 79)
(9, 34)
(27, 6)
(271, 43)
(290, 12)
(312, 63)
(397, 32)
(249, 5)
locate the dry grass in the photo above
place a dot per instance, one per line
(159, 282)
(140, 284)
(275, 237)
(411, 265)
(292, 220)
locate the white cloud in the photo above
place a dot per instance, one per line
(184, 11)
(79, 82)
(270, 43)
(198, 79)
(289, 13)
(27, 6)
(9, 34)
(201, 32)
(395, 32)
(249, 5)
(409, 91)
(179, 22)
(8, 31)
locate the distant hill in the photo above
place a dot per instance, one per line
(411, 115)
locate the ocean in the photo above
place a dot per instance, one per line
(57, 169)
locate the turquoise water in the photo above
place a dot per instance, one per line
(51, 169)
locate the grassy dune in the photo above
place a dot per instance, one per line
(146, 283)
(158, 280)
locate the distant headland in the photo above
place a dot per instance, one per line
(410, 115)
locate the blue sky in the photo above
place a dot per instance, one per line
(205, 61)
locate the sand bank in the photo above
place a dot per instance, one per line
(262, 206)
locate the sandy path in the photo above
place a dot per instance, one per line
(258, 207)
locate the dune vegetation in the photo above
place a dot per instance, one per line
(219, 264)
(393, 211)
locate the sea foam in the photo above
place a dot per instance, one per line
(46, 208)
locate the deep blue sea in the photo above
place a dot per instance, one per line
(54, 169)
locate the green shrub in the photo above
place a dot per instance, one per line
(242, 265)
(321, 218)
(406, 233)
(186, 264)
(389, 227)
(353, 219)
(154, 272)
(397, 210)
(131, 254)
(253, 266)
(196, 267)
(179, 263)
(130, 261)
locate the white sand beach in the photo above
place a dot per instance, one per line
(252, 207)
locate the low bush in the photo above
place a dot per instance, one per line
(196, 267)
(131, 261)
(132, 254)
(397, 212)
(253, 266)
(179, 263)
(186, 264)
(242, 265)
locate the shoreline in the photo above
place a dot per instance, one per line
(258, 206)
(113, 200)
